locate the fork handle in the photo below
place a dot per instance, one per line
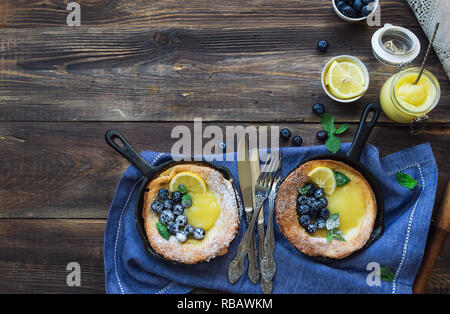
(236, 266)
(268, 265)
(253, 267)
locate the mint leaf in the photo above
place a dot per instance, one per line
(386, 274)
(332, 222)
(342, 128)
(163, 230)
(341, 179)
(327, 122)
(330, 236)
(335, 234)
(304, 190)
(333, 143)
(182, 189)
(406, 180)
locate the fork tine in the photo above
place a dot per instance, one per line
(271, 171)
(264, 169)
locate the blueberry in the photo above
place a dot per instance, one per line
(157, 206)
(188, 229)
(311, 228)
(304, 220)
(163, 194)
(297, 141)
(222, 146)
(285, 133)
(314, 211)
(166, 217)
(366, 2)
(181, 220)
(322, 136)
(178, 209)
(366, 10)
(340, 3)
(181, 236)
(311, 188)
(318, 193)
(172, 227)
(310, 201)
(323, 202)
(168, 204)
(301, 199)
(303, 209)
(350, 2)
(324, 213)
(357, 5)
(320, 223)
(199, 233)
(176, 197)
(348, 11)
(318, 109)
(322, 45)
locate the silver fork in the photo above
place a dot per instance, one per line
(268, 265)
(262, 188)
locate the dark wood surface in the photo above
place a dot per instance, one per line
(143, 67)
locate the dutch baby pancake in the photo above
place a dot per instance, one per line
(326, 208)
(191, 213)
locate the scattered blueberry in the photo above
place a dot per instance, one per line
(318, 193)
(311, 228)
(357, 5)
(189, 229)
(366, 10)
(285, 133)
(168, 204)
(199, 233)
(157, 206)
(178, 209)
(301, 199)
(322, 45)
(304, 220)
(166, 217)
(324, 213)
(349, 11)
(172, 227)
(181, 236)
(303, 209)
(163, 194)
(297, 141)
(322, 136)
(181, 220)
(222, 146)
(318, 109)
(320, 223)
(176, 197)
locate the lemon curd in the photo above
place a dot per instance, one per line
(402, 101)
(204, 210)
(349, 201)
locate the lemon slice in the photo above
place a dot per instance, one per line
(324, 178)
(342, 84)
(354, 71)
(192, 181)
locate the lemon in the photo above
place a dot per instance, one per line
(324, 178)
(345, 80)
(192, 181)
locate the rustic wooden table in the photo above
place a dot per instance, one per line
(143, 67)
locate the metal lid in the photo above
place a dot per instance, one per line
(395, 45)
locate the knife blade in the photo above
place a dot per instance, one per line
(245, 183)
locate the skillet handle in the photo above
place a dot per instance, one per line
(112, 137)
(364, 129)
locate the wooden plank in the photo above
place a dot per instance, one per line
(66, 170)
(192, 14)
(34, 254)
(127, 74)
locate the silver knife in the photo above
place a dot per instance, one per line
(245, 183)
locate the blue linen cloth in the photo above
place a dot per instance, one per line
(130, 269)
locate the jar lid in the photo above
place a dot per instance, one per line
(395, 45)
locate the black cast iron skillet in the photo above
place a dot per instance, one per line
(351, 158)
(121, 145)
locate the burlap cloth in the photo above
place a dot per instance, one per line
(429, 13)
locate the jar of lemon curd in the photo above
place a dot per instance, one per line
(406, 102)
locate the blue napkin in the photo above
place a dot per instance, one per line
(129, 268)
